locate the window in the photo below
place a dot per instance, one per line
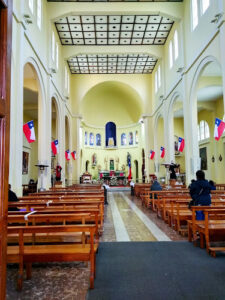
(203, 131)
(194, 13)
(170, 54)
(57, 55)
(205, 5)
(159, 77)
(123, 139)
(130, 138)
(156, 81)
(98, 139)
(176, 50)
(31, 5)
(39, 13)
(91, 139)
(53, 46)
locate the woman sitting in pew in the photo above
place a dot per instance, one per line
(200, 193)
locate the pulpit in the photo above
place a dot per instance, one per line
(86, 178)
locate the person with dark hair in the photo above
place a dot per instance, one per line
(12, 198)
(212, 183)
(200, 193)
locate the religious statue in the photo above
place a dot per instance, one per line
(128, 158)
(106, 163)
(58, 172)
(94, 159)
(117, 162)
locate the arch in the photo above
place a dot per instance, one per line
(30, 60)
(124, 104)
(199, 69)
(136, 170)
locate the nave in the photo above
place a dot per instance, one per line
(125, 220)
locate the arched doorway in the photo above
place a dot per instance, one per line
(136, 171)
(207, 105)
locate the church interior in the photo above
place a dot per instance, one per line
(109, 97)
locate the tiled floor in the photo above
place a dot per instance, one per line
(125, 219)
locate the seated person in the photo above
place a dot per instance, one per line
(12, 198)
(155, 186)
(212, 183)
(200, 193)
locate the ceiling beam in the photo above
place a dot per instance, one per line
(171, 10)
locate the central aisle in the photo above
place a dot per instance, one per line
(125, 221)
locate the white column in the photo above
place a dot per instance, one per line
(78, 143)
(146, 147)
(16, 118)
(190, 134)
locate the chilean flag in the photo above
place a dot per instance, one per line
(129, 172)
(152, 154)
(67, 154)
(74, 155)
(55, 147)
(219, 128)
(180, 144)
(28, 130)
(162, 152)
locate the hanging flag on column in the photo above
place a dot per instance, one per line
(180, 144)
(67, 154)
(151, 154)
(55, 147)
(28, 130)
(129, 171)
(74, 155)
(219, 128)
(162, 152)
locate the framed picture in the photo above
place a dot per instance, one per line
(203, 156)
(25, 162)
(176, 152)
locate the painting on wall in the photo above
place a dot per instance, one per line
(203, 156)
(25, 162)
(176, 152)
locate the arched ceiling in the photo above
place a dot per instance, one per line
(111, 101)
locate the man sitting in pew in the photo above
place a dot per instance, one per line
(200, 193)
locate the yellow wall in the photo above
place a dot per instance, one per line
(179, 132)
(214, 148)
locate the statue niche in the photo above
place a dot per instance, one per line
(110, 134)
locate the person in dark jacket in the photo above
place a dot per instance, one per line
(12, 198)
(155, 186)
(200, 193)
(212, 185)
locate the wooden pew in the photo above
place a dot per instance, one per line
(62, 205)
(54, 218)
(28, 254)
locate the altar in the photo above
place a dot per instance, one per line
(113, 178)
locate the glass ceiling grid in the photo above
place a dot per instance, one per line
(114, 30)
(115, 0)
(112, 64)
